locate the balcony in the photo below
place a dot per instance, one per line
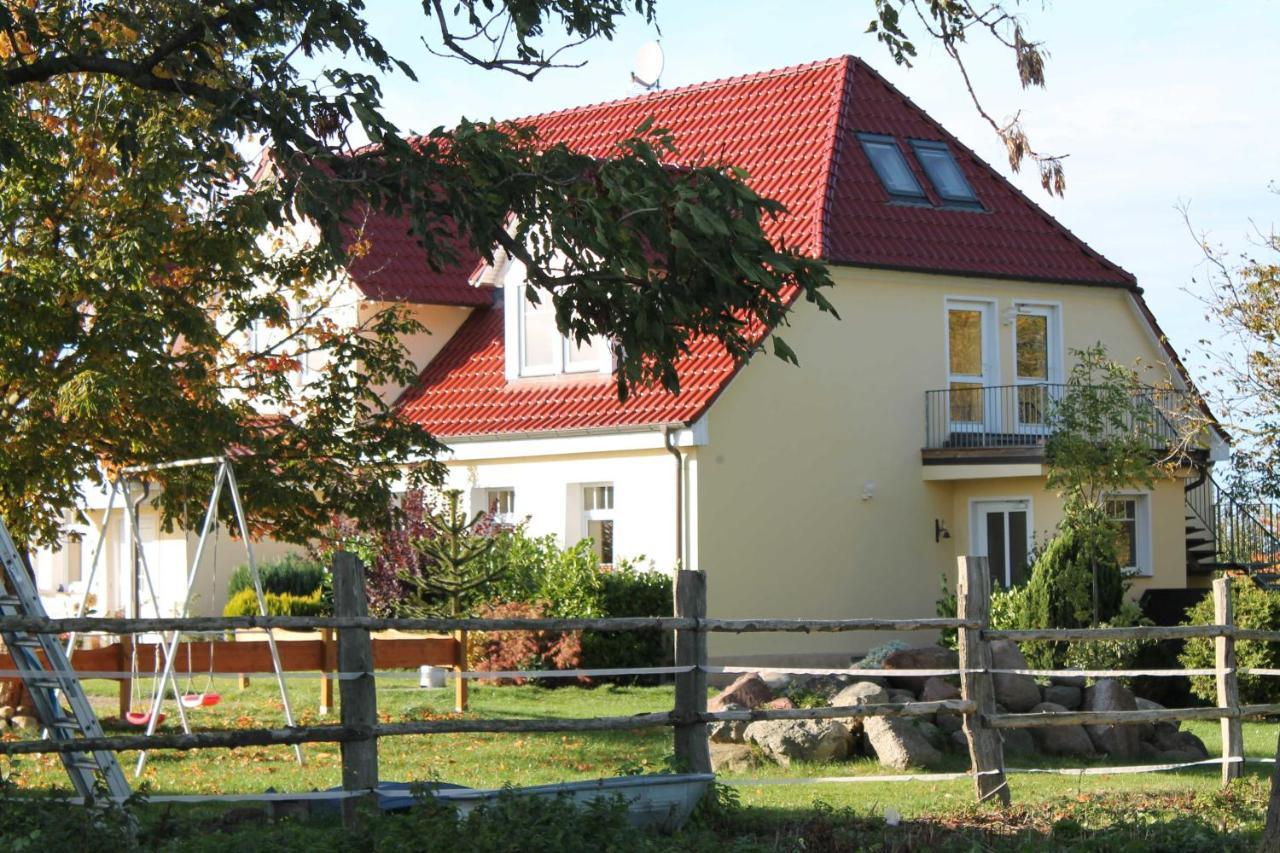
(1011, 423)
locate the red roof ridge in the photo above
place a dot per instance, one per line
(832, 166)
(662, 94)
(1044, 214)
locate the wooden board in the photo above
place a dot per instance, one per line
(296, 655)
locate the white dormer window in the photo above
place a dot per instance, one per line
(534, 344)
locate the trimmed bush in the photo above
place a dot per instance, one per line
(245, 603)
(627, 591)
(1059, 593)
(293, 574)
(1252, 607)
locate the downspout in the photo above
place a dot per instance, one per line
(667, 439)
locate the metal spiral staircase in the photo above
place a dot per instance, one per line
(1225, 533)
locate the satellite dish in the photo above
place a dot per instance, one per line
(649, 61)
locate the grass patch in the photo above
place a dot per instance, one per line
(1047, 808)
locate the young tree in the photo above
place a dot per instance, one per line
(456, 563)
(1107, 437)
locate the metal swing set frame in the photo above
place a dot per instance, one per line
(168, 646)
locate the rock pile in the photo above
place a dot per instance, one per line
(922, 741)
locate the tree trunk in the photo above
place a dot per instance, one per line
(1271, 833)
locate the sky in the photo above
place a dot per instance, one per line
(1158, 104)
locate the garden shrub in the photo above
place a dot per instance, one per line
(245, 603)
(1111, 654)
(1252, 607)
(497, 651)
(1059, 593)
(628, 591)
(294, 574)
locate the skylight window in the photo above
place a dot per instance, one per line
(944, 173)
(891, 167)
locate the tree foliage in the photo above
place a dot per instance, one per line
(1106, 434)
(145, 242)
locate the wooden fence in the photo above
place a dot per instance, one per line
(248, 653)
(359, 728)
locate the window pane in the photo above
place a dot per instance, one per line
(945, 173)
(995, 548)
(1033, 346)
(964, 327)
(598, 497)
(1018, 546)
(502, 502)
(1033, 405)
(1125, 514)
(601, 533)
(541, 338)
(584, 356)
(966, 402)
(886, 158)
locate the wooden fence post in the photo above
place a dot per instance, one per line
(459, 667)
(986, 748)
(359, 698)
(330, 657)
(691, 745)
(125, 688)
(1228, 684)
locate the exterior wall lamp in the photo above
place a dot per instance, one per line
(940, 530)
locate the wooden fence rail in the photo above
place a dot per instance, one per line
(357, 656)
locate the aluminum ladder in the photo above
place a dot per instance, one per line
(87, 768)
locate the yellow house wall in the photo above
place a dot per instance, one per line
(810, 497)
(438, 322)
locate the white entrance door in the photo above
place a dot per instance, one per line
(1001, 532)
(972, 367)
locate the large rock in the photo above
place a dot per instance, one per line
(938, 689)
(733, 758)
(1067, 695)
(1175, 746)
(950, 721)
(1018, 693)
(749, 691)
(1117, 741)
(861, 693)
(1061, 740)
(900, 743)
(1018, 742)
(728, 731)
(23, 721)
(785, 741)
(924, 657)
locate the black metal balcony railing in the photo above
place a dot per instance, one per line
(996, 416)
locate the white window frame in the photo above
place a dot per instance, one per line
(1141, 530)
(601, 514)
(990, 361)
(484, 498)
(515, 304)
(1052, 312)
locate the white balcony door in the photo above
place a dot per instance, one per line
(1001, 532)
(1037, 366)
(972, 366)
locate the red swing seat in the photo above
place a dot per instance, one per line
(141, 718)
(200, 700)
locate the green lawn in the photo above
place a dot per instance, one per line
(481, 760)
(1186, 810)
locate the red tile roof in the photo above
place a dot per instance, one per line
(794, 131)
(389, 265)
